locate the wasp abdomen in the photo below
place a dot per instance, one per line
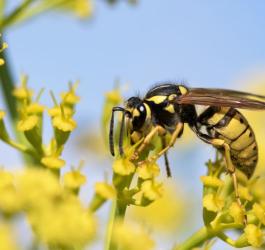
(231, 126)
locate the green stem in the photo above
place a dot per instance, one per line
(7, 86)
(207, 233)
(196, 239)
(14, 15)
(118, 214)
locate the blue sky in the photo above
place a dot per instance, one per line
(202, 42)
(205, 43)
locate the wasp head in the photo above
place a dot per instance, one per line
(136, 113)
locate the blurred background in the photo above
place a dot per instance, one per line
(201, 43)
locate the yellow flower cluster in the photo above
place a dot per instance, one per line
(56, 215)
(222, 211)
(30, 121)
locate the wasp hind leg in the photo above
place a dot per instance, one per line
(230, 169)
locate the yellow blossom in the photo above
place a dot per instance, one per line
(65, 223)
(244, 193)
(57, 111)
(213, 203)
(254, 235)
(70, 97)
(23, 92)
(131, 237)
(152, 190)
(9, 200)
(35, 185)
(74, 179)
(6, 238)
(105, 190)
(114, 96)
(35, 108)
(64, 124)
(211, 181)
(123, 166)
(2, 114)
(28, 123)
(236, 212)
(6, 179)
(259, 212)
(172, 210)
(52, 162)
(148, 170)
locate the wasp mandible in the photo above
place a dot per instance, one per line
(167, 107)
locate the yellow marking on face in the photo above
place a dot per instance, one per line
(233, 129)
(218, 116)
(157, 99)
(136, 113)
(170, 108)
(249, 151)
(183, 90)
(242, 141)
(172, 97)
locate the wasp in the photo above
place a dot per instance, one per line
(167, 107)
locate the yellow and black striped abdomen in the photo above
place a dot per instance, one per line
(231, 126)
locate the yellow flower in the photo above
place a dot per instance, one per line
(172, 210)
(211, 181)
(64, 124)
(35, 185)
(131, 237)
(105, 190)
(123, 166)
(254, 235)
(213, 203)
(52, 162)
(23, 92)
(244, 193)
(56, 111)
(2, 114)
(152, 190)
(9, 201)
(114, 96)
(35, 108)
(28, 123)
(74, 179)
(237, 213)
(65, 223)
(6, 179)
(70, 97)
(4, 46)
(6, 238)
(259, 212)
(148, 170)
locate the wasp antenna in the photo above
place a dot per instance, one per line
(111, 141)
(111, 130)
(121, 133)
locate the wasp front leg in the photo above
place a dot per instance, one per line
(148, 138)
(177, 132)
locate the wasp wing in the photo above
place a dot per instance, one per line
(222, 97)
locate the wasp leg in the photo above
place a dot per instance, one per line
(178, 130)
(156, 130)
(165, 157)
(230, 169)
